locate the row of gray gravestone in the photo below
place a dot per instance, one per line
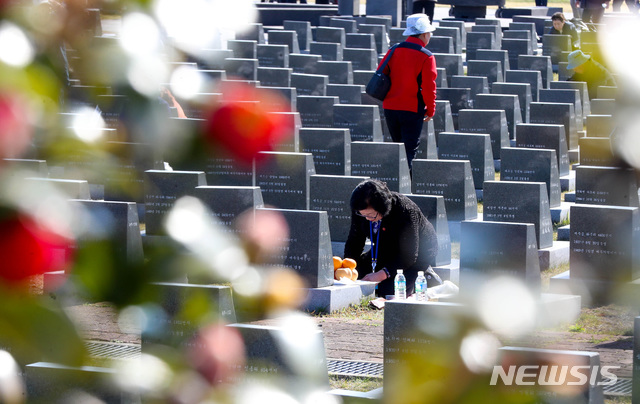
(516, 224)
(342, 140)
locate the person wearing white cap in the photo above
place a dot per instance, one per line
(411, 99)
(589, 71)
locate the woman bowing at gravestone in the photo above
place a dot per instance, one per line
(401, 237)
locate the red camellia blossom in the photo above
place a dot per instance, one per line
(15, 128)
(29, 249)
(248, 120)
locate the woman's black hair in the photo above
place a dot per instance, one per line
(371, 193)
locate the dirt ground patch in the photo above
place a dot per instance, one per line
(98, 322)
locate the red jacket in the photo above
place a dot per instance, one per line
(413, 80)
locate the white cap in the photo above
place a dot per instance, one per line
(420, 273)
(399, 271)
(418, 24)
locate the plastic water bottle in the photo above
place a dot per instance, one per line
(421, 287)
(400, 285)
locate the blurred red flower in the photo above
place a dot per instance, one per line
(15, 128)
(28, 249)
(248, 120)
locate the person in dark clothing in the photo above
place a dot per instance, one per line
(563, 27)
(411, 100)
(589, 71)
(401, 237)
(592, 10)
(425, 6)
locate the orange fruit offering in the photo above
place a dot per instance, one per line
(343, 273)
(354, 274)
(337, 263)
(349, 263)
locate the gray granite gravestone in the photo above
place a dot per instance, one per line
(303, 31)
(392, 8)
(331, 193)
(554, 45)
(289, 142)
(600, 125)
(516, 47)
(565, 96)
(349, 26)
(346, 93)
(289, 93)
(537, 136)
(525, 76)
(228, 171)
(498, 55)
(577, 85)
(362, 77)
(604, 243)
(316, 111)
(227, 203)
(331, 34)
(597, 151)
(339, 72)
(453, 33)
(532, 165)
(215, 59)
(582, 370)
(494, 29)
(520, 202)
(539, 63)
(38, 168)
(459, 99)
(469, 146)
(361, 41)
(520, 26)
(433, 208)
(441, 44)
(491, 249)
(488, 121)
(308, 250)
(363, 121)
(476, 85)
(271, 353)
(243, 69)
(557, 113)
(331, 149)
(606, 186)
(408, 344)
(451, 179)
(116, 221)
(522, 90)
(521, 34)
(273, 55)
(460, 25)
(285, 37)
(361, 59)
(255, 32)
(162, 189)
(507, 102)
(47, 382)
(73, 189)
(379, 33)
(274, 76)
(284, 178)
(490, 69)
(442, 120)
(303, 63)
(383, 161)
(310, 84)
(452, 63)
(329, 51)
(243, 49)
(379, 19)
(172, 325)
(603, 106)
(479, 40)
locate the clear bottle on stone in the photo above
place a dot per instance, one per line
(400, 286)
(421, 287)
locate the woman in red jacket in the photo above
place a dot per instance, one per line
(412, 98)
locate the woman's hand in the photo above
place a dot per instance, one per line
(375, 277)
